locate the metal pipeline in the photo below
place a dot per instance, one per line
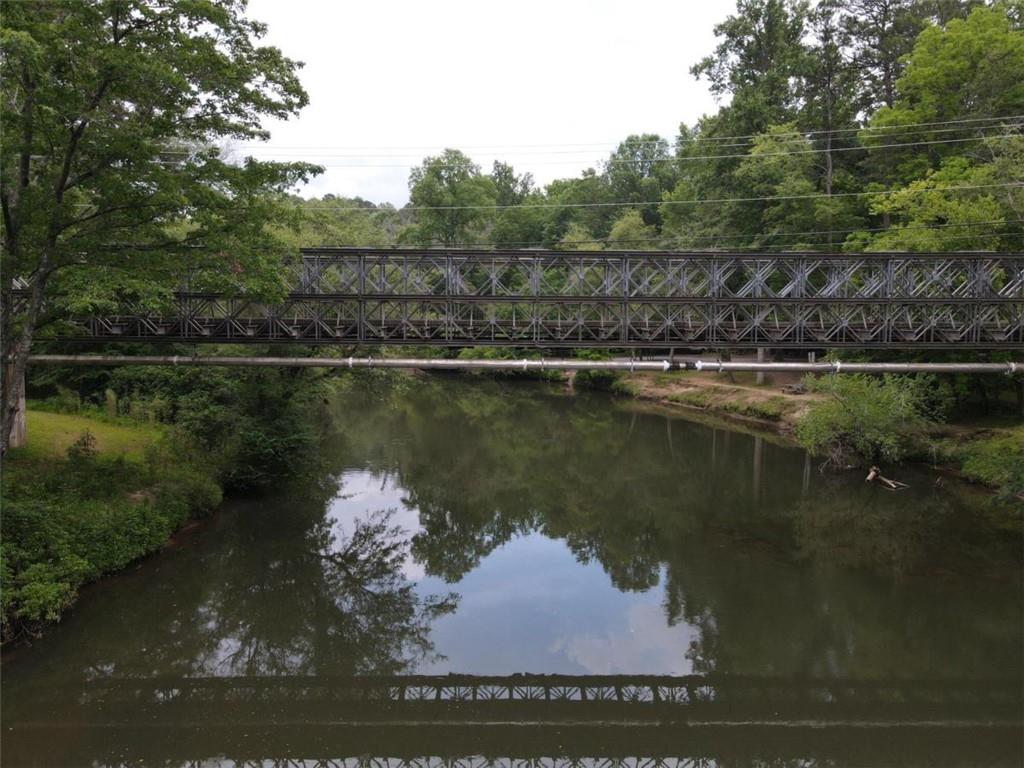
(553, 364)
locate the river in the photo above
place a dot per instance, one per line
(493, 528)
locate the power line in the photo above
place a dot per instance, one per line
(708, 201)
(699, 158)
(796, 136)
(697, 139)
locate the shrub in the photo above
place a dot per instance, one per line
(65, 401)
(597, 379)
(865, 419)
(998, 461)
(83, 450)
(624, 387)
(196, 493)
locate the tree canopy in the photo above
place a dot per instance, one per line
(115, 180)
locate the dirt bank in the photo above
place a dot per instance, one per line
(777, 404)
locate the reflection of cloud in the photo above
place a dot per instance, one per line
(642, 642)
(560, 616)
(361, 494)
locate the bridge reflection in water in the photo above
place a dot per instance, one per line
(526, 721)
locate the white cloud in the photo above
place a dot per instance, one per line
(644, 642)
(457, 73)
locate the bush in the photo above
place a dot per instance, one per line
(67, 522)
(507, 353)
(998, 461)
(195, 493)
(602, 380)
(83, 449)
(865, 419)
(65, 401)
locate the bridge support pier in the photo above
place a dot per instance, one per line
(760, 359)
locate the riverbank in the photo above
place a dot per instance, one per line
(988, 453)
(775, 405)
(85, 497)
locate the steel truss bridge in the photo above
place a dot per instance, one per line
(535, 298)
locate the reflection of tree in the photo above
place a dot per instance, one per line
(818, 591)
(378, 608)
(278, 593)
(332, 606)
(826, 581)
(887, 589)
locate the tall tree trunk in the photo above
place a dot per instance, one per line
(16, 348)
(15, 430)
(828, 165)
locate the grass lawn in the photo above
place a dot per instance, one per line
(50, 434)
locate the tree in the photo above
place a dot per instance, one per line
(684, 221)
(510, 189)
(756, 62)
(110, 174)
(630, 233)
(927, 217)
(828, 86)
(518, 222)
(452, 196)
(864, 418)
(333, 220)
(971, 68)
(586, 202)
(881, 33)
(781, 166)
(577, 238)
(641, 170)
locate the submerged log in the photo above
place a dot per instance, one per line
(874, 473)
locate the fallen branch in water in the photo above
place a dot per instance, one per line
(891, 485)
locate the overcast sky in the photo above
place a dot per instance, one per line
(549, 87)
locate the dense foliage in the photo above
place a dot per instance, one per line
(112, 179)
(67, 520)
(253, 427)
(866, 418)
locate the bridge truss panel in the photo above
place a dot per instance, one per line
(610, 299)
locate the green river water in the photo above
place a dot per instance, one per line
(481, 528)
